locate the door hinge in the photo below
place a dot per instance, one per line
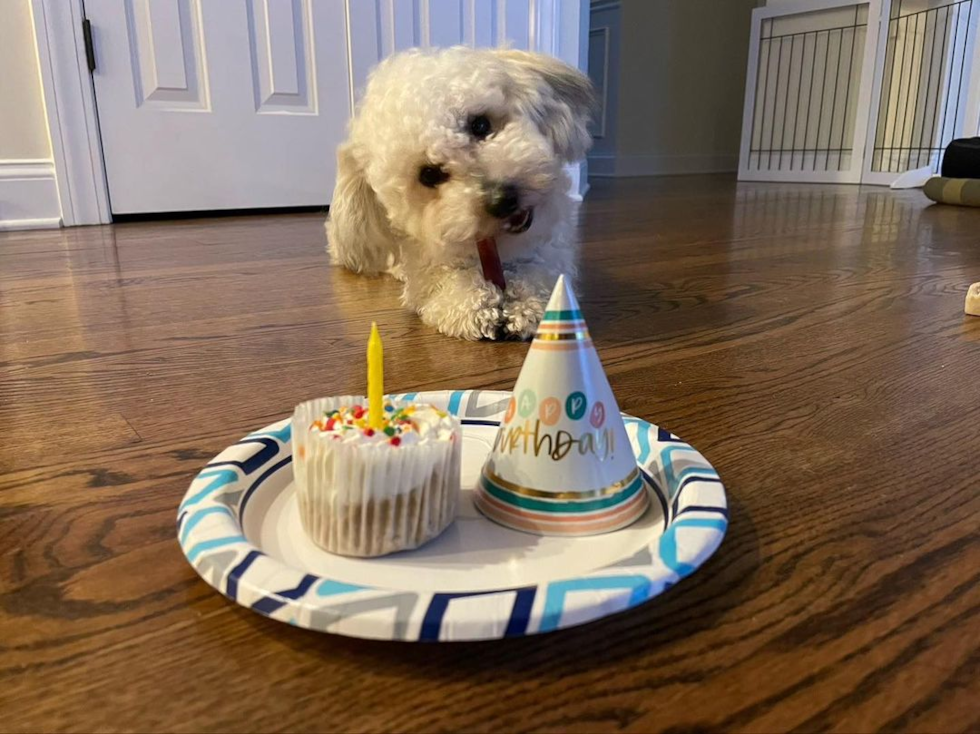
(89, 46)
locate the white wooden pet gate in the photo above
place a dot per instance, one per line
(858, 92)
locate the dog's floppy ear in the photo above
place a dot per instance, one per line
(566, 102)
(358, 234)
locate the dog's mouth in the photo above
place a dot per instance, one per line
(519, 222)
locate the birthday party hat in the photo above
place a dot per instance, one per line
(562, 462)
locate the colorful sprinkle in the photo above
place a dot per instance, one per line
(395, 421)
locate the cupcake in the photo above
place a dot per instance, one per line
(371, 491)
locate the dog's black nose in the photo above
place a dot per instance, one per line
(503, 200)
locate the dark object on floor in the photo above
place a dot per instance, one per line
(962, 159)
(959, 191)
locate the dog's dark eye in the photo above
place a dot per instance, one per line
(432, 176)
(480, 127)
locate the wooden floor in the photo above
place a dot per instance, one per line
(809, 340)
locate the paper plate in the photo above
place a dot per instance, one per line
(239, 527)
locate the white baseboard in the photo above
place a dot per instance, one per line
(661, 165)
(20, 224)
(28, 195)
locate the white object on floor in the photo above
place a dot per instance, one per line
(972, 306)
(913, 179)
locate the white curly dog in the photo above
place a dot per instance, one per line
(453, 147)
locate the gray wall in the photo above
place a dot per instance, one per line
(681, 85)
(23, 127)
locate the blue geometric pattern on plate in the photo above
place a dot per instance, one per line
(209, 528)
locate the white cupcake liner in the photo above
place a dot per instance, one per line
(359, 499)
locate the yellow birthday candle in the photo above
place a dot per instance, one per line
(376, 379)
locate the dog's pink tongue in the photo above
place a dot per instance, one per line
(493, 271)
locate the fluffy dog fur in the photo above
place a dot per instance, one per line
(418, 111)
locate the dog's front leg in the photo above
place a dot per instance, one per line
(459, 303)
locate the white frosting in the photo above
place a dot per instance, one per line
(427, 424)
(431, 424)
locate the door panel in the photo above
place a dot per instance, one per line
(166, 53)
(281, 49)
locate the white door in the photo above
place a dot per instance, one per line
(214, 104)
(217, 105)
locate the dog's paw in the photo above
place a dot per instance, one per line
(469, 311)
(522, 316)
(480, 323)
(486, 324)
(396, 269)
